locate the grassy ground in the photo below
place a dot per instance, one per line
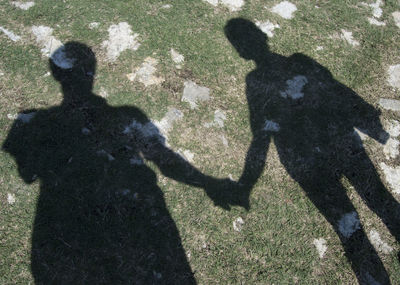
(275, 245)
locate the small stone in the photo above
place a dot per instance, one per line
(320, 244)
(295, 87)
(10, 198)
(192, 93)
(271, 126)
(23, 5)
(94, 25)
(267, 27)
(285, 9)
(394, 76)
(238, 224)
(349, 224)
(396, 18)
(376, 22)
(392, 176)
(390, 104)
(348, 37)
(176, 57)
(378, 243)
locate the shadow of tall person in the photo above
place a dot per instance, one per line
(100, 216)
(311, 117)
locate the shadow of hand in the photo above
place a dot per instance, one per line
(226, 193)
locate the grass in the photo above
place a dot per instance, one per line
(276, 243)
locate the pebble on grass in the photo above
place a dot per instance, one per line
(94, 25)
(267, 27)
(378, 243)
(238, 224)
(271, 126)
(390, 104)
(23, 5)
(219, 118)
(24, 118)
(10, 34)
(349, 224)
(284, 9)
(394, 76)
(232, 5)
(321, 246)
(10, 198)
(392, 176)
(348, 37)
(294, 87)
(52, 47)
(396, 18)
(120, 38)
(145, 73)
(193, 93)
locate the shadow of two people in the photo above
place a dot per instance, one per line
(86, 230)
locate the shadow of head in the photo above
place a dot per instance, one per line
(74, 65)
(249, 41)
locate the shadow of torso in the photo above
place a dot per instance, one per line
(100, 218)
(315, 113)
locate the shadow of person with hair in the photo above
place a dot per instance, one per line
(311, 117)
(100, 216)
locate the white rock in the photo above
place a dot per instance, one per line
(319, 48)
(391, 148)
(392, 176)
(394, 76)
(233, 5)
(377, 242)
(94, 25)
(166, 6)
(285, 9)
(186, 154)
(10, 198)
(349, 224)
(348, 37)
(238, 224)
(192, 93)
(176, 56)
(376, 9)
(224, 140)
(212, 2)
(390, 104)
(166, 123)
(267, 27)
(51, 47)
(157, 129)
(103, 92)
(376, 22)
(23, 5)
(392, 127)
(10, 34)
(320, 244)
(271, 126)
(396, 18)
(294, 87)
(24, 118)
(145, 73)
(219, 118)
(120, 38)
